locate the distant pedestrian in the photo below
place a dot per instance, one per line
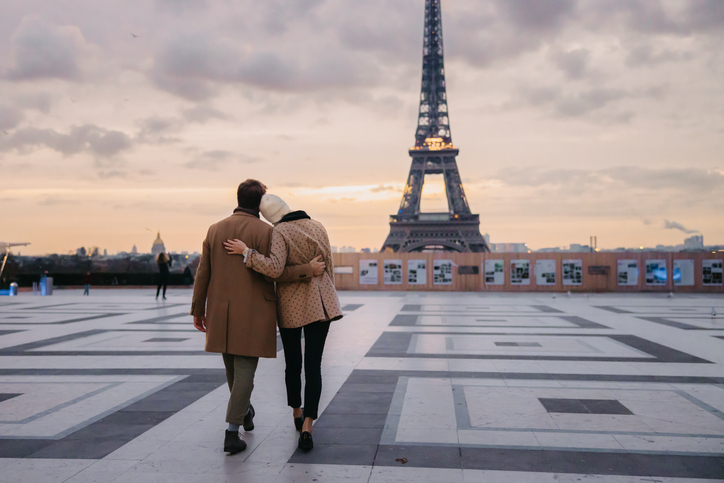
(188, 276)
(164, 262)
(86, 283)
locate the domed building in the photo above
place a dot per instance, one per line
(158, 246)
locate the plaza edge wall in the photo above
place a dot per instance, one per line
(475, 282)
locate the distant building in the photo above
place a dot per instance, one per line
(81, 252)
(334, 249)
(105, 252)
(577, 247)
(366, 250)
(696, 241)
(134, 250)
(158, 246)
(509, 247)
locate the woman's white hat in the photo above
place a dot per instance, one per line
(273, 208)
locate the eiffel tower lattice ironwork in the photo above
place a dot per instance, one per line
(457, 229)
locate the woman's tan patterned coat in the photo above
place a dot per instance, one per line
(297, 242)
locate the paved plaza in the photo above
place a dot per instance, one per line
(433, 387)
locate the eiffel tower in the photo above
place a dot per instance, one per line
(456, 229)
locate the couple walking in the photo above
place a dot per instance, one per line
(235, 303)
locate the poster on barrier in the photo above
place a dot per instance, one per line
(417, 272)
(368, 272)
(442, 272)
(627, 272)
(545, 272)
(494, 274)
(683, 274)
(572, 272)
(711, 272)
(392, 270)
(655, 272)
(520, 272)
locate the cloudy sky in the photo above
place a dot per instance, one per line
(598, 117)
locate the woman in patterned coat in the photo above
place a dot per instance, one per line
(307, 306)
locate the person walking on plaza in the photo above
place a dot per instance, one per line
(308, 307)
(86, 283)
(164, 262)
(236, 307)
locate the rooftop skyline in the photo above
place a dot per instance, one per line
(573, 118)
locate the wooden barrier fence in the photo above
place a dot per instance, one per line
(597, 272)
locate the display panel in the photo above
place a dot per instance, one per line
(392, 270)
(545, 272)
(494, 272)
(683, 274)
(627, 272)
(368, 272)
(655, 272)
(417, 272)
(711, 272)
(520, 272)
(572, 272)
(442, 273)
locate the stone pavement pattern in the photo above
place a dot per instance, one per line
(434, 387)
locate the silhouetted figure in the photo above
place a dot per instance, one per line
(86, 283)
(164, 262)
(188, 276)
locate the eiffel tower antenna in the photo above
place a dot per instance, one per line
(457, 229)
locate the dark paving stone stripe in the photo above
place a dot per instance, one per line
(615, 310)
(661, 352)
(69, 321)
(347, 435)
(411, 308)
(103, 372)
(547, 309)
(396, 344)
(632, 464)
(396, 355)
(670, 323)
(351, 307)
(357, 421)
(391, 342)
(7, 332)
(678, 325)
(408, 320)
(6, 396)
(368, 388)
(404, 320)
(99, 439)
(18, 349)
(370, 376)
(161, 319)
(112, 353)
(583, 323)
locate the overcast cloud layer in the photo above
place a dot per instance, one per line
(573, 118)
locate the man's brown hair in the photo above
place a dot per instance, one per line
(249, 194)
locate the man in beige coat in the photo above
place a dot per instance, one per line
(236, 307)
